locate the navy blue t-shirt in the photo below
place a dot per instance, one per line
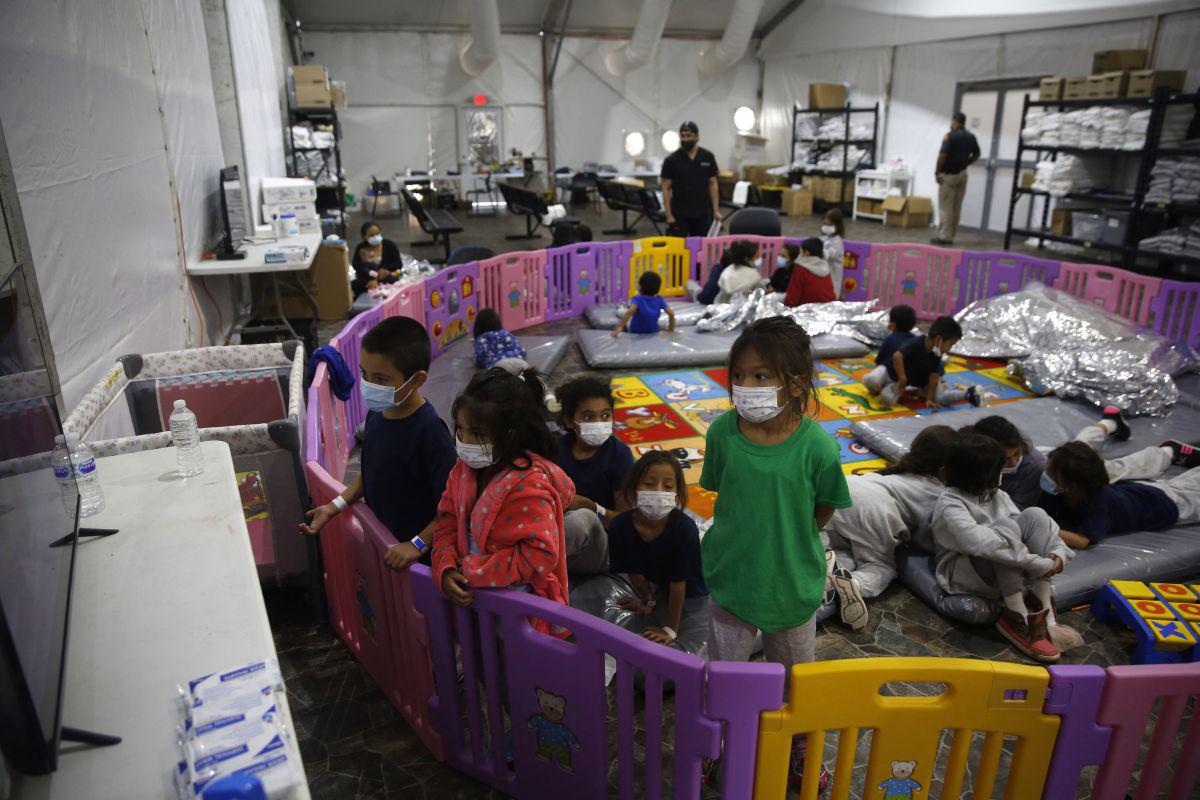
(1117, 508)
(597, 478)
(646, 310)
(674, 556)
(919, 363)
(405, 464)
(891, 344)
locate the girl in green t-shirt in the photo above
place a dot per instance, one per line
(779, 478)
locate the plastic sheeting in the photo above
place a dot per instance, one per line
(843, 319)
(1074, 349)
(600, 596)
(916, 572)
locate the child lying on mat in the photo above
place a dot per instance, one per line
(889, 508)
(645, 306)
(918, 365)
(496, 347)
(985, 545)
(1078, 494)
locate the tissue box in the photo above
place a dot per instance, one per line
(288, 190)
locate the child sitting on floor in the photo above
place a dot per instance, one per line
(889, 508)
(741, 276)
(833, 234)
(645, 306)
(901, 321)
(986, 546)
(785, 262)
(1076, 491)
(597, 463)
(496, 347)
(918, 365)
(407, 452)
(658, 547)
(500, 521)
(811, 281)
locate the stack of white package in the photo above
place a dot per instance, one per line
(301, 136)
(1178, 241)
(234, 724)
(1034, 123)
(1069, 128)
(1135, 130)
(1175, 125)
(1112, 130)
(1091, 123)
(1067, 175)
(833, 159)
(1050, 126)
(806, 127)
(1174, 180)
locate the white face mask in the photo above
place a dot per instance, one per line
(656, 505)
(595, 433)
(757, 403)
(828, 230)
(379, 397)
(1011, 470)
(375, 240)
(475, 456)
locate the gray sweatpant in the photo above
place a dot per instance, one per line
(1039, 534)
(732, 639)
(1184, 491)
(945, 395)
(587, 542)
(1142, 465)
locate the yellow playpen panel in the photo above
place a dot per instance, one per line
(666, 255)
(992, 698)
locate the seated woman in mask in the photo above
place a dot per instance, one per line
(374, 254)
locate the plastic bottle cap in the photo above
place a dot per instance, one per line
(72, 437)
(181, 404)
(60, 439)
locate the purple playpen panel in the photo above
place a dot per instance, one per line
(349, 344)
(407, 302)
(1175, 312)
(1123, 293)
(554, 693)
(984, 275)
(310, 447)
(738, 693)
(514, 284)
(1130, 693)
(918, 275)
(570, 280)
(451, 302)
(612, 271)
(335, 538)
(1073, 694)
(856, 262)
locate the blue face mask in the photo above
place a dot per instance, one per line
(380, 398)
(1048, 485)
(781, 261)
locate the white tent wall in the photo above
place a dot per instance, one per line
(592, 107)
(1178, 45)
(107, 109)
(256, 78)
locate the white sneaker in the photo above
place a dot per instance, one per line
(693, 288)
(830, 566)
(850, 600)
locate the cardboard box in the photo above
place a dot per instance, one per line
(305, 209)
(826, 95)
(908, 212)
(1114, 60)
(311, 95)
(1074, 88)
(310, 73)
(826, 189)
(288, 190)
(1108, 86)
(1027, 178)
(337, 92)
(866, 205)
(1144, 82)
(1051, 89)
(327, 280)
(1060, 222)
(797, 202)
(757, 173)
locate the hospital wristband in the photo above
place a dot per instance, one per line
(670, 632)
(601, 511)
(339, 503)
(418, 543)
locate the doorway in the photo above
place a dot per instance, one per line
(993, 110)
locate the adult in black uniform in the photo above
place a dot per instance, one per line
(689, 185)
(959, 151)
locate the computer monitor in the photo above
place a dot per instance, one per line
(233, 215)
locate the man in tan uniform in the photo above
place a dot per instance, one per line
(959, 151)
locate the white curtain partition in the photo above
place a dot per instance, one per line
(103, 177)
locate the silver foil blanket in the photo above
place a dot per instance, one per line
(856, 320)
(1075, 349)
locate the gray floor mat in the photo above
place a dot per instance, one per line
(686, 348)
(450, 372)
(606, 316)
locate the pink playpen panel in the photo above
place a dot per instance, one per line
(707, 251)
(1175, 313)
(336, 540)
(514, 284)
(325, 424)
(451, 303)
(349, 344)
(856, 262)
(1123, 293)
(921, 276)
(984, 275)
(223, 399)
(407, 302)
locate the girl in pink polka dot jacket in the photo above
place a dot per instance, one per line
(500, 520)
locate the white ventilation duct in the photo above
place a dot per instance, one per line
(483, 48)
(640, 47)
(716, 58)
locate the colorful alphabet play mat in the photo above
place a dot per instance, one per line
(672, 410)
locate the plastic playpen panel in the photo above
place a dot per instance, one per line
(921, 276)
(668, 257)
(706, 252)
(336, 540)
(991, 698)
(349, 344)
(611, 261)
(856, 263)
(1175, 312)
(514, 284)
(570, 280)
(984, 275)
(27, 427)
(325, 426)
(407, 302)
(451, 303)
(1123, 293)
(223, 398)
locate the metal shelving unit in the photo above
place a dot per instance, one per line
(329, 198)
(826, 144)
(1127, 252)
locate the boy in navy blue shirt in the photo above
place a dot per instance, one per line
(918, 364)
(644, 307)
(901, 321)
(407, 451)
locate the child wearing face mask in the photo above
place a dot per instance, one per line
(496, 347)
(901, 321)
(918, 364)
(374, 254)
(741, 276)
(779, 479)
(810, 281)
(657, 547)
(407, 452)
(785, 262)
(597, 463)
(500, 520)
(833, 233)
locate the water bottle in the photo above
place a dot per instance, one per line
(60, 461)
(185, 434)
(83, 464)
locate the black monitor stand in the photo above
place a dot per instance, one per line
(227, 252)
(69, 734)
(66, 540)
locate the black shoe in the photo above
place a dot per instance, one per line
(1121, 434)
(1186, 455)
(940, 240)
(974, 397)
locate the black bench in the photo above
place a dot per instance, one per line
(625, 198)
(437, 223)
(529, 203)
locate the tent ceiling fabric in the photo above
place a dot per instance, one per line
(612, 17)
